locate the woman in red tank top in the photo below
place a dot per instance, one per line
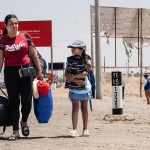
(19, 89)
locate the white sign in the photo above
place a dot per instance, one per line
(117, 97)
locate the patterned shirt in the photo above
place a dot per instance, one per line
(75, 65)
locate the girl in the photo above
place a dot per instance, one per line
(79, 86)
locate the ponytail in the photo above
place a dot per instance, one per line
(4, 31)
(84, 56)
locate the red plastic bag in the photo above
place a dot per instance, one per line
(43, 87)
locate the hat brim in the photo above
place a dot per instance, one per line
(73, 46)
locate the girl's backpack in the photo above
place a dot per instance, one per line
(92, 81)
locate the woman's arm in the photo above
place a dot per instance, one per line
(34, 56)
(1, 59)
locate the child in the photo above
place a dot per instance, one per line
(79, 86)
(147, 88)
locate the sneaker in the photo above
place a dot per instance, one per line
(73, 133)
(85, 133)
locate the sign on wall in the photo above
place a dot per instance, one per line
(40, 31)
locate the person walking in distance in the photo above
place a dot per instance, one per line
(146, 84)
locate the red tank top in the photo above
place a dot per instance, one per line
(14, 48)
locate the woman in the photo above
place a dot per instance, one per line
(79, 86)
(14, 52)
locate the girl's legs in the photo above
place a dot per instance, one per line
(84, 109)
(75, 110)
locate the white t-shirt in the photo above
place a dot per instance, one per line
(144, 82)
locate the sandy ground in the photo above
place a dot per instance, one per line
(105, 135)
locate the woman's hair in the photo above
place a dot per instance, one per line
(6, 21)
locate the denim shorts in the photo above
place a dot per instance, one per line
(75, 96)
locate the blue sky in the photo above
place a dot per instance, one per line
(71, 21)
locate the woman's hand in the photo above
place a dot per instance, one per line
(40, 76)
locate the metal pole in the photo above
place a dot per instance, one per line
(92, 49)
(64, 72)
(141, 51)
(52, 59)
(51, 49)
(138, 35)
(115, 38)
(128, 66)
(104, 64)
(63, 75)
(98, 51)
